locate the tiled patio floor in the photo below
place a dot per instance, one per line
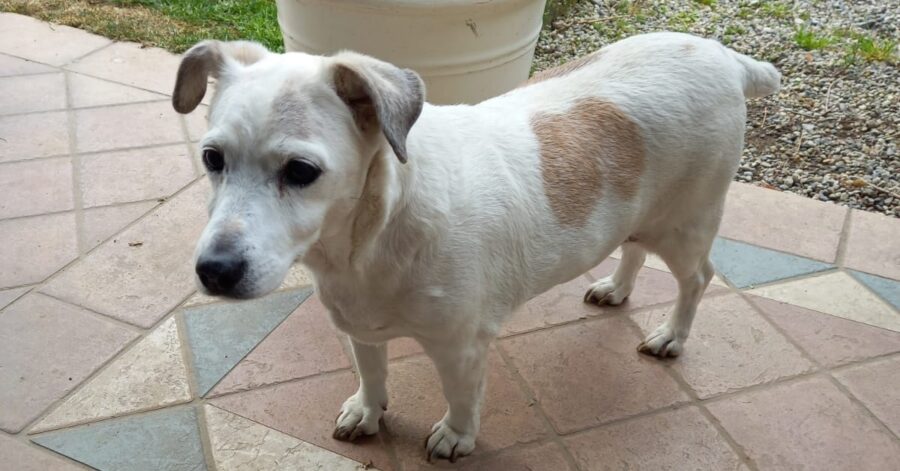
(109, 359)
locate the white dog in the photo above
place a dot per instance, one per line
(437, 222)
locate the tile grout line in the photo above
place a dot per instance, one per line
(530, 395)
(685, 387)
(841, 252)
(102, 367)
(111, 150)
(824, 371)
(805, 276)
(185, 132)
(205, 440)
(779, 251)
(99, 315)
(607, 315)
(77, 197)
(860, 405)
(104, 206)
(161, 99)
(109, 43)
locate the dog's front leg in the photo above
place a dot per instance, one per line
(362, 411)
(461, 366)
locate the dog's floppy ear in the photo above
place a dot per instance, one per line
(205, 59)
(379, 94)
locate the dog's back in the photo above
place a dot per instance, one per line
(638, 139)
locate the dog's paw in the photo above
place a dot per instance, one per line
(662, 342)
(357, 419)
(444, 442)
(606, 291)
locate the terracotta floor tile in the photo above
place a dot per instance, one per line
(10, 66)
(132, 64)
(115, 127)
(730, 347)
(807, 424)
(33, 135)
(873, 244)
(655, 262)
(877, 385)
(101, 223)
(49, 240)
(89, 91)
(21, 457)
(134, 175)
(830, 340)
(306, 409)
(562, 303)
(303, 345)
(783, 221)
(149, 375)
(43, 92)
(240, 444)
(835, 293)
(402, 347)
(48, 347)
(140, 284)
(416, 403)
(541, 457)
(651, 287)
(35, 187)
(35, 40)
(590, 373)
(679, 439)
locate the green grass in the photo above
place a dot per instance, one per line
(683, 21)
(776, 9)
(873, 50)
(171, 24)
(809, 40)
(709, 3)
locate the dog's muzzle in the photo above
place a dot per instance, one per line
(221, 273)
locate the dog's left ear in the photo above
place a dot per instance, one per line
(379, 94)
(210, 59)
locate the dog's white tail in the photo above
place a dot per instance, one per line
(760, 78)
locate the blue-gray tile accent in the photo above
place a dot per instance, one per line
(221, 334)
(167, 440)
(888, 289)
(746, 265)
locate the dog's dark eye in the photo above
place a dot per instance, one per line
(213, 160)
(301, 172)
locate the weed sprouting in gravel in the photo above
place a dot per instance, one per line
(810, 40)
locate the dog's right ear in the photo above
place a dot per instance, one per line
(209, 59)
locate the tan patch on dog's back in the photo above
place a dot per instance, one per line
(563, 69)
(592, 143)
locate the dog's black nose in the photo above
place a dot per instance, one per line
(220, 274)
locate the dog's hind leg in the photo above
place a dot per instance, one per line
(361, 412)
(615, 288)
(686, 253)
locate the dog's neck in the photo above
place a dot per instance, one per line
(378, 231)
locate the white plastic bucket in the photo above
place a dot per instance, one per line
(465, 50)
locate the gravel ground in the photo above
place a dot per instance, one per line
(831, 133)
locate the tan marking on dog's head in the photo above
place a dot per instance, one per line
(290, 110)
(688, 48)
(563, 69)
(592, 143)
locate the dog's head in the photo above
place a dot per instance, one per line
(291, 144)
